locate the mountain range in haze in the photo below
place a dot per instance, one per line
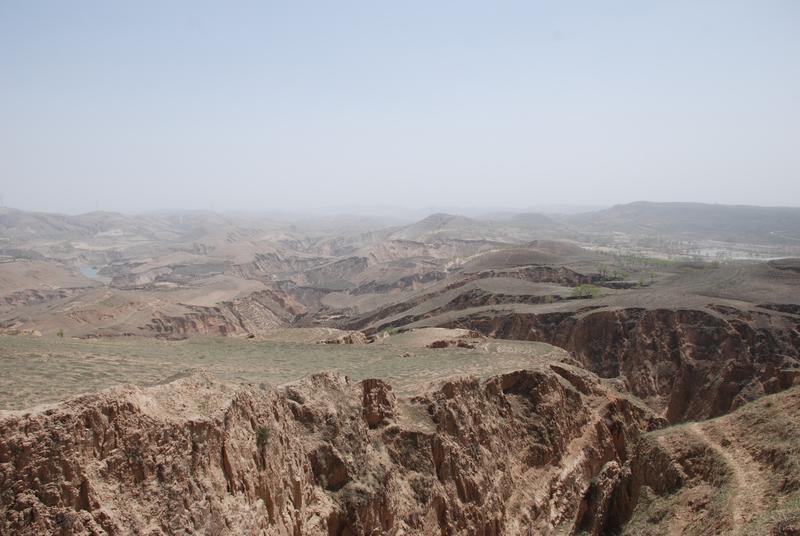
(728, 223)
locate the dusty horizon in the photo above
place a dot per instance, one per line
(192, 106)
(390, 212)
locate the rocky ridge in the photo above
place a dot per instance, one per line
(515, 454)
(686, 363)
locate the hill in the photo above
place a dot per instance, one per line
(729, 223)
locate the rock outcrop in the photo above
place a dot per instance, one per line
(738, 474)
(251, 314)
(471, 298)
(36, 296)
(515, 454)
(688, 363)
(347, 337)
(409, 282)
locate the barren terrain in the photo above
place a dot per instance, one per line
(36, 370)
(633, 370)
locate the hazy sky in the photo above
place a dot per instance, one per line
(238, 105)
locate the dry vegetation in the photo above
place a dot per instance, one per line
(737, 474)
(36, 370)
(629, 325)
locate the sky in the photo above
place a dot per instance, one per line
(296, 105)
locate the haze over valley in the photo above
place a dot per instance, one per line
(414, 268)
(452, 329)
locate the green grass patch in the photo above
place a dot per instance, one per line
(586, 291)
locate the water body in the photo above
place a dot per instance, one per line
(89, 271)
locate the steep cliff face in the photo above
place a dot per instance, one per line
(264, 265)
(690, 364)
(34, 296)
(473, 298)
(254, 313)
(336, 274)
(515, 454)
(409, 282)
(547, 274)
(154, 462)
(738, 474)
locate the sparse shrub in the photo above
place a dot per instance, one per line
(60, 333)
(585, 291)
(390, 331)
(262, 436)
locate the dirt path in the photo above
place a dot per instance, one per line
(749, 486)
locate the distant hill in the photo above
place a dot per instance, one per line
(677, 221)
(733, 223)
(20, 224)
(448, 226)
(533, 219)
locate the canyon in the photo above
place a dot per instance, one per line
(201, 374)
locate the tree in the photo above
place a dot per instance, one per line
(585, 291)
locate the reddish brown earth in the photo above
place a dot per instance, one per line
(515, 454)
(688, 363)
(738, 474)
(570, 448)
(254, 313)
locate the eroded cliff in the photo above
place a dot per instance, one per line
(686, 363)
(515, 454)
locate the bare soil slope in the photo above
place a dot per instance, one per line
(737, 474)
(509, 455)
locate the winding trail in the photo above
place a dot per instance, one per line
(749, 486)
